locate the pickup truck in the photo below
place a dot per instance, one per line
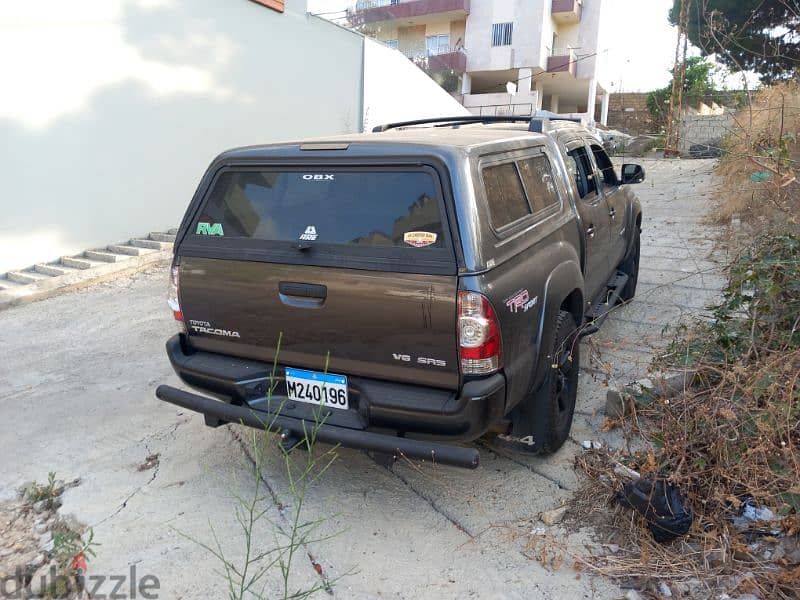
(404, 291)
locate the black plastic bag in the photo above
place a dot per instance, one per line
(660, 503)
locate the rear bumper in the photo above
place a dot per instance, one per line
(379, 411)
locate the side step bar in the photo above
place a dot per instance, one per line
(600, 310)
(436, 453)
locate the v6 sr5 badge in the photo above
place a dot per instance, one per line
(521, 301)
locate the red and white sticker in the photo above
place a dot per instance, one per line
(521, 302)
(418, 239)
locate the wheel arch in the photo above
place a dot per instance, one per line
(564, 290)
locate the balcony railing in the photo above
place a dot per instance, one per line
(375, 11)
(567, 11)
(562, 60)
(439, 58)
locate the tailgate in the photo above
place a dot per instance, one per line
(352, 267)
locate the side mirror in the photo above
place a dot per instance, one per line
(632, 173)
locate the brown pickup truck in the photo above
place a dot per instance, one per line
(407, 290)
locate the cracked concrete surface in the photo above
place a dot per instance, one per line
(79, 372)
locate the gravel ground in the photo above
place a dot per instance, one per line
(79, 371)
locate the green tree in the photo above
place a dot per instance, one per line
(698, 86)
(751, 35)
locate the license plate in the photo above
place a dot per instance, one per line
(324, 389)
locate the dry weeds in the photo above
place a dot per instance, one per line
(731, 440)
(761, 162)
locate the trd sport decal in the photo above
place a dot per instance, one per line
(521, 301)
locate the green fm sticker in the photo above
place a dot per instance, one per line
(209, 229)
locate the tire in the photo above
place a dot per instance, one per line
(630, 266)
(542, 422)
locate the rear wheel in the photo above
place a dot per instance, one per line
(541, 424)
(630, 266)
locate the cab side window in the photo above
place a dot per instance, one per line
(539, 184)
(607, 173)
(505, 194)
(579, 164)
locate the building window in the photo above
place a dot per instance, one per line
(502, 33)
(437, 44)
(391, 43)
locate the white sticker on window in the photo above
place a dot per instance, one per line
(418, 239)
(310, 234)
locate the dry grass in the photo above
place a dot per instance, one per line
(761, 165)
(732, 439)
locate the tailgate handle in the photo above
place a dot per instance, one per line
(303, 290)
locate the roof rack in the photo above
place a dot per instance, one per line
(535, 123)
(450, 121)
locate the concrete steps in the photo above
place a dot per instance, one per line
(8, 284)
(104, 256)
(151, 244)
(25, 277)
(76, 263)
(124, 249)
(44, 278)
(51, 270)
(162, 237)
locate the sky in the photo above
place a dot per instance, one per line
(635, 36)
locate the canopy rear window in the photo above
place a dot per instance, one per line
(378, 218)
(367, 208)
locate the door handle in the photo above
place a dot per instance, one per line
(590, 231)
(302, 295)
(612, 213)
(303, 290)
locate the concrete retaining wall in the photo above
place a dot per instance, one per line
(704, 129)
(628, 112)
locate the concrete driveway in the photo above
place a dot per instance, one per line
(79, 371)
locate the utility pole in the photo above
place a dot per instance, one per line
(673, 134)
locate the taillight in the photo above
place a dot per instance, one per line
(479, 344)
(172, 297)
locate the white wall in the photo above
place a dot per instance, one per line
(588, 41)
(111, 110)
(532, 32)
(396, 90)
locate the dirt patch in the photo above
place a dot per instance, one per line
(42, 554)
(20, 550)
(151, 462)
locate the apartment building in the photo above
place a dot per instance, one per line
(510, 56)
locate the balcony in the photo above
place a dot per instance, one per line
(367, 12)
(562, 60)
(498, 104)
(567, 11)
(442, 59)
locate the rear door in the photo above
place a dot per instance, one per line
(352, 268)
(593, 211)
